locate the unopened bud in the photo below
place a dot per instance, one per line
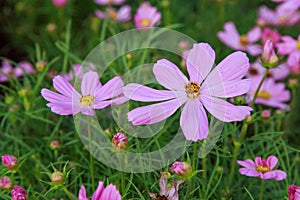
(269, 58)
(266, 114)
(40, 65)
(57, 178)
(10, 162)
(120, 141)
(5, 183)
(181, 168)
(55, 144)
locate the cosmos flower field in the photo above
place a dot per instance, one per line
(160, 100)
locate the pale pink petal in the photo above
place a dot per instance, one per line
(249, 172)
(163, 184)
(98, 193)
(100, 14)
(268, 175)
(124, 14)
(82, 194)
(281, 72)
(294, 58)
(247, 164)
(223, 110)
(55, 97)
(114, 87)
(142, 93)
(267, 15)
(168, 75)
(63, 86)
(154, 113)
(254, 34)
(110, 193)
(230, 36)
(89, 83)
(272, 161)
(254, 49)
(200, 61)
(258, 161)
(280, 175)
(193, 121)
(287, 46)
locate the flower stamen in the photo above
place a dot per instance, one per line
(192, 89)
(244, 40)
(87, 100)
(262, 169)
(262, 94)
(145, 22)
(298, 45)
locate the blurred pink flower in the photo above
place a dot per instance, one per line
(270, 94)
(146, 16)
(262, 168)
(234, 40)
(294, 63)
(9, 161)
(5, 183)
(94, 95)
(7, 71)
(110, 192)
(205, 88)
(59, 3)
(109, 2)
(122, 15)
(167, 192)
(73, 73)
(269, 34)
(18, 193)
(257, 70)
(291, 47)
(283, 15)
(294, 192)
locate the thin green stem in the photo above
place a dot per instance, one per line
(262, 187)
(67, 43)
(69, 194)
(258, 88)
(91, 155)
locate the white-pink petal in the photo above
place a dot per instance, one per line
(89, 83)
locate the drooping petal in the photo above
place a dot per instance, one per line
(193, 121)
(200, 61)
(97, 194)
(110, 193)
(142, 93)
(247, 163)
(82, 194)
(249, 172)
(168, 75)
(223, 110)
(154, 113)
(272, 161)
(89, 83)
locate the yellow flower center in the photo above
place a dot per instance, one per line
(112, 15)
(244, 40)
(145, 22)
(282, 19)
(87, 100)
(262, 169)
(262, 94)
(192, 89)
(298, 45)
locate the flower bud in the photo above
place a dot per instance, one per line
(266, 114)
(5, 183)
(120, 141)
(18, 193)
(9, 161)
(59, 3)
(57, 178)
(55, 144)
(292, 83)
(249, 119)
(181, 168)
(40, 65)
(269, 58)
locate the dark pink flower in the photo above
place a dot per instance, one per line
(59, 3)
(110, 192)
(5, 183)
(262, 168)
(269, 34)
(146, 16)
(234, 40)
(18, 193)
(294, 192)
(120, 141)
(9, 161)
(181, 168)
(121, 15)
(109, 2)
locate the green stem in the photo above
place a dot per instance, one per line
(91, 156)
(194, 167)
(69, 194)
(67, 43)
(259, 86)
(262, 187)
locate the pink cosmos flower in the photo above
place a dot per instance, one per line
(7, 71)
(205, 88)
(262, 168)
(59, 3)
(269, 34)
(271, 93)
(110, 192)
(167, 192)
(294, 192)
(93, 95)
(289, 46)
(257, 70)
(122, 15)
(18, 193)
(5, 183)
(294, 63)
(283, 15)
(9, 161)
(109, 2)
(234, 40)
(146, 16)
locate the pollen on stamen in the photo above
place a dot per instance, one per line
(263, 169)
(262, 94)
(87, 100)
(192, 89)
(244, 40)
(145, 22)
(298, 45)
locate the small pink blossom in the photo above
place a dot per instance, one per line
(110, 192)
(18, 193)
(262, 168)
(121, 15)
(266, 114)
(146, 16)
(268, 57)
(234, 40)
(294, 192)
(270, 94)
(7, 71)
(205, 88)
(120, 141)
(94, 95)
(9, 161)
(109, 2)
(5, 183)
(181, 168)
(59, 3)
(269, 34)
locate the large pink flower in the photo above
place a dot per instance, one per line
(270, 94)
(234, 40)
(205, 88)
(146, 16)
(262, 168)
(110, 192)
(93, 95)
